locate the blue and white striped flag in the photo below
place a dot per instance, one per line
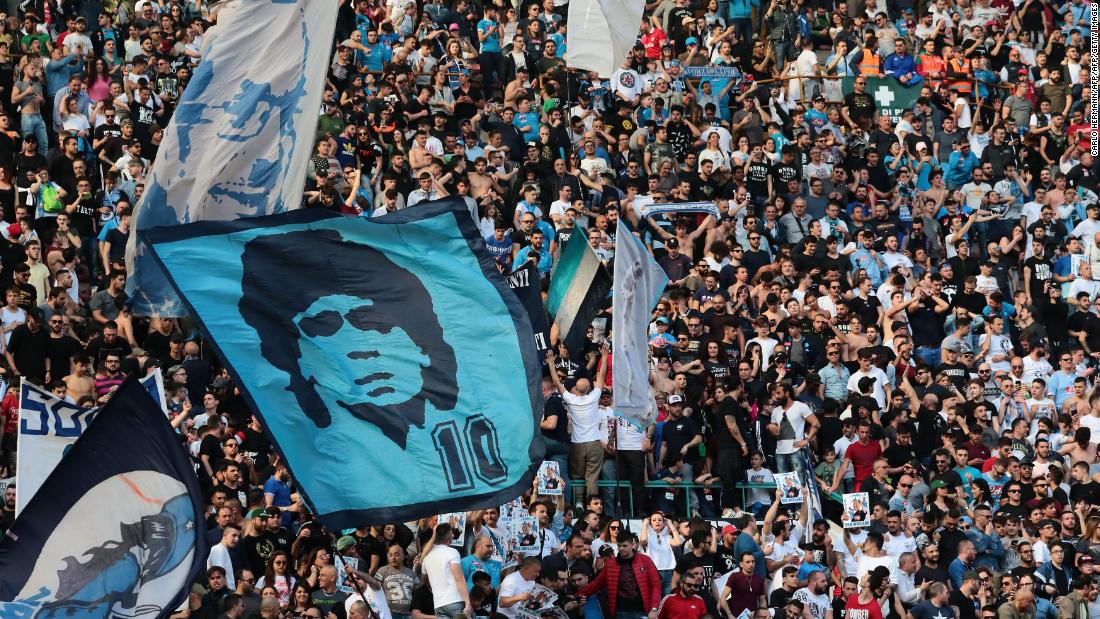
(239, 141)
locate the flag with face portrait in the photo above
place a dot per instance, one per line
(392, 339)
(238, 143)
(116, 530)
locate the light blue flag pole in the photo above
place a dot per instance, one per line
(239, 142)
(639, 284)
(393, 340)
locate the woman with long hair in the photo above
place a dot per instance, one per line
(310, 570)
(979, 494)
(98, 80)
(278, 577)
(657, 539)
(609, 536)
(301, 606)
(75, 123)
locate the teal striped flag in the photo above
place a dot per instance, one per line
(578, 286)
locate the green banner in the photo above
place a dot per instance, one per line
(891, 97)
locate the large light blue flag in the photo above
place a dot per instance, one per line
(239, 142)
(117, 529)
(391, 341)
(639, 283)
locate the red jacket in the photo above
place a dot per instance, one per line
(675, 606)
(645, 572)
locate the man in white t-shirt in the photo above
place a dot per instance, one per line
(867, 369)
(443, 567)
(219, 553)
(795, 426)
(582, 402)
(814, 597)
(516, 588)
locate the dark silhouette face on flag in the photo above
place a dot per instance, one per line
(360, 336)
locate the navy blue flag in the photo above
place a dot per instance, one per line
(391, 363)
(117, 529)
(527, 284)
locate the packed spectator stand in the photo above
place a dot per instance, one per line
(893, 301)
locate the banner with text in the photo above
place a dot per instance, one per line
(48, 428)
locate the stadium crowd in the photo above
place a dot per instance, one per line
(906, 305)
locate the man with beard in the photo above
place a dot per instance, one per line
(814, 597)
(246, 588)
(931, 569)
(631, 581)
(7, 513)
(684, 602)
(277, 492)
(61, 348)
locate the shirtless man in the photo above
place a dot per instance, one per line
(854, 340)
(419, 155)
(80, 383)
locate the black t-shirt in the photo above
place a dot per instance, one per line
(934, 574)
(60, 352)
(555, 407)
(255, 444)
(83, 217)
(29, 351)
(779, 598)
(756, 177)
(727, 408)
(27, 164)
(1041, 272)
(860, 105)
(690, 561)
(866, 309)
(98, 348)
(957, 372)
(104, 131)
(676, 434)
(118, 239)
(144, 117)
(783, 172)
(521, 238)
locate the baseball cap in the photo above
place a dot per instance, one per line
(939, 483)
(1050, 522)
(675, 399)
(344, 543)
(691, 41)
(729, 528)
(453, 27)
(672, 244)
(662, 320)
(259, 512)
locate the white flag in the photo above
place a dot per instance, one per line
(639, 283)
(241, 137)
(601, 33)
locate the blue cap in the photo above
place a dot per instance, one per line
(691, 41)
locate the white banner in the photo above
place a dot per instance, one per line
(639, 283)
(601, 33)
(48, 427)
(242, 135)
